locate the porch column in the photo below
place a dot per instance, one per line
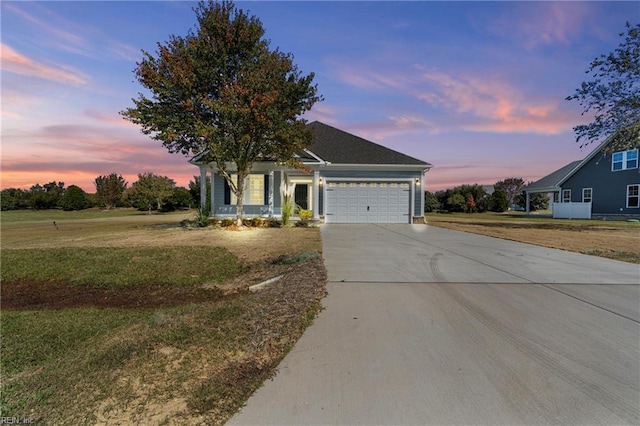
(203, 187)
(271, 193)
(528, 209)
(316, 194)
(212, 211)
(422, 192)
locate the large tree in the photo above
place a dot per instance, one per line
(512, 187)
(220, 91)
(74, 198)
(150, 191)
(613, 95)
(110, 189)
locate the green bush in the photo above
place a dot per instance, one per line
(498, 201)
(202, 216)
(74, 198)
(305, 214)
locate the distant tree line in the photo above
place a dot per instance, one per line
(506, 194)
(150, 192)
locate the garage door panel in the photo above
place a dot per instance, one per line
(367, 202)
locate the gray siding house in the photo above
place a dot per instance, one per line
(350, 180)
(601, 185)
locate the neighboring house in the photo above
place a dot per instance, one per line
(350, 180)
(601, 185)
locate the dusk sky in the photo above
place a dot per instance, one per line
(475, 88)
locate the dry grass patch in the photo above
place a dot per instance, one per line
(156, 230)
(615, 240)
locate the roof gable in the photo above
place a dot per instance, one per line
(560, 176)
(554, 179)
(339, 147)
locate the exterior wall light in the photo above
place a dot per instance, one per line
(320, 181)
(417, 182)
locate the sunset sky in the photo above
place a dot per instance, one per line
(477, 89)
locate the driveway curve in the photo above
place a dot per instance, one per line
(426, 325)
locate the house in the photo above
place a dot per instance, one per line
(349, 180)
(601, 185)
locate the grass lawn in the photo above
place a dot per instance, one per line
(126, 318)
(618, 240)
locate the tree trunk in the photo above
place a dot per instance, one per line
(240, 197)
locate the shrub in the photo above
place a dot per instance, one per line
(202, 216)
(287, 211)
(273, 223)
(227, 221)
(305, 215)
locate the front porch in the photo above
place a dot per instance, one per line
(263, 196)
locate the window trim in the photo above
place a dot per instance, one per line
(590, 195)
(637, 196)
(624, 160)
(567, 192)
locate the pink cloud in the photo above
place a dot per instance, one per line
(76, 154)
(383, 130)
(362, 77)
(17, 63)
(109, 118)
(324, 113)
(492, 105)
(546, 23)
(10, 114)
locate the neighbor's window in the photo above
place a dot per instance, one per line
(566, 195)
(624, 160)
(253, 190)
(633, 200)
(587, 195)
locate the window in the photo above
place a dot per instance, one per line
(624, 160)
(566, 195)
(587, 195)
(253, 190)
(633, 200)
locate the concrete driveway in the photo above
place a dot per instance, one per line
(425, 325)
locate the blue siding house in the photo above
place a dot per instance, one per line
(602, 185)
(347, 180)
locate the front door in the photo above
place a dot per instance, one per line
(301, 196)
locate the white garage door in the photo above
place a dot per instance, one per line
(367, 202)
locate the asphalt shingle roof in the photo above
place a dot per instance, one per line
(553, 179)
(339, 147)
